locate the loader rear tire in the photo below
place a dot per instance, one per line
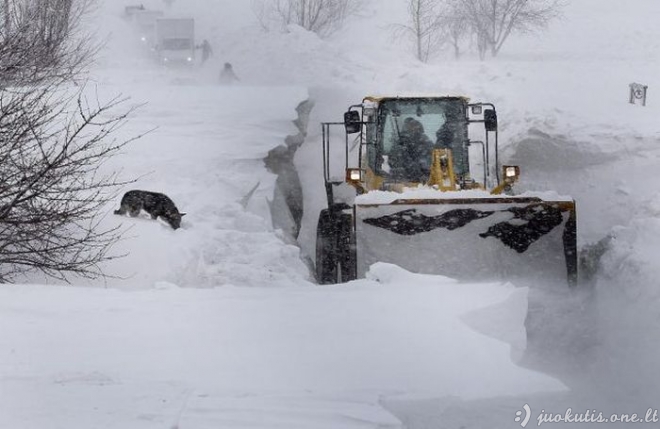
(326, 248)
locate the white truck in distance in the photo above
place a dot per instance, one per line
(175, 40)
(144, 23)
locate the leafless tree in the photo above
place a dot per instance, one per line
(493, 21)
(319, 16)
(455, 24)
(482, 41)
(42, 40)
(263, 12)
(53, 144)
(52, 187)
(424, 27)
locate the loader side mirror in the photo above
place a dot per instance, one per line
(352, 122)
(490, 120)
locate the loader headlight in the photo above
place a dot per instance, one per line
(511, 173)
(353, 175)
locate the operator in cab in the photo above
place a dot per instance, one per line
(410, 156)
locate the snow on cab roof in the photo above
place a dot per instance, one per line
(379, 98)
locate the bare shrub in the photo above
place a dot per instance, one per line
(323, 17)
(432, 24)
(493, 21)
(42, 40)
(52, 188)
(455, 24)
(53, 144)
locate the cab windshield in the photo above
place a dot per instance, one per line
(406, 131)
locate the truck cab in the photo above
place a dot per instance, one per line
(175, 41)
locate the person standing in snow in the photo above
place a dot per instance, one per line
(206, 50)
(227, 75)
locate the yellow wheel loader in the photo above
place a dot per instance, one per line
(428, 193)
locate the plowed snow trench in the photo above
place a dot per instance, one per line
(205, 148)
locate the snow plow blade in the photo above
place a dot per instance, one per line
(473, 239)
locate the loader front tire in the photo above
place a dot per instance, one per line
(336, 260)
(326, 248)
(346, 251)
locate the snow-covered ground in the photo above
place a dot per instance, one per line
(178, 341)
(150, 358)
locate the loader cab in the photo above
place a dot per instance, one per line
(437, 122)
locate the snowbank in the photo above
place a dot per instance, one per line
(112, 358)
(628, 303)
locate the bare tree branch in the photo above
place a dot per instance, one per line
(43, 39)
(319, 16)
(424, 27)
(53, 187)
(456, 26)
(54, 142)
(493, 21)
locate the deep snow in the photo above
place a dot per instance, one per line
(179, 342)
(391, 335)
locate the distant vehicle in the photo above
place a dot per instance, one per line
(175, 40)
(144, 22)
(130, 10)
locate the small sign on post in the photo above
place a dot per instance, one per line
(638, 93)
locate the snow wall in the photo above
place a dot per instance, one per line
(287, 206)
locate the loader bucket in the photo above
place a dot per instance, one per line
(472, 239)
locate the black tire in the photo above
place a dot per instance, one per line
(346, 251)
(570, 250)
(326, 248)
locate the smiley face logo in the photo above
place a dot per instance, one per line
(523, 416)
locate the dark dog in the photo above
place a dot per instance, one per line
(154, 203)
